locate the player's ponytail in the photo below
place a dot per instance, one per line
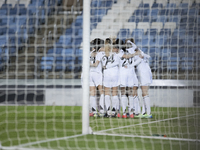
(107, 49)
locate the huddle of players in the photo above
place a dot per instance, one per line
(117, 65)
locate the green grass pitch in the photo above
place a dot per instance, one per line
(50, 127)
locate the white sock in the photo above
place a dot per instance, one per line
(107, 101)
(131, 103)
(139, 108)
(137, 105)
(143, 107)
(101, 101)
(115, 102)
(147, 103)
(93, 103)
(124, 103)
(118, 104)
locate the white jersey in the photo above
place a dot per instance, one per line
(128, 77)
(93, 59)
(111, 62)
(143, 69)
(96, 72)
(143, 72)
(111, 73)
(124, 62)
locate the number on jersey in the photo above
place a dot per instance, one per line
(126, 61)
(108, 59)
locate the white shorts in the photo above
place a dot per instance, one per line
(95, 79)
(111, 78)
(128, 78)
(144, 77)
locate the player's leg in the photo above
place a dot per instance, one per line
(107, 91)
(131, 102)
(97, 79)
(145, 81)
(92, 95)
(101, 101)
(115, 98)
(93, 104)
(115, 101)
(124, 101)
(107, 99)
(143, 104)
(136, 100)
(146, 101)
(132, 91)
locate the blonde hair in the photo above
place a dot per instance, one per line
(107, 49)
(113, 38)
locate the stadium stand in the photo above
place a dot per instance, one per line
(19, 23)
(159, 27)
(161, 24)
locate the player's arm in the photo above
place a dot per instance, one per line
(146, 56)
(115, 63)
(131, 55)
(136, 63)
(121, 54)
(134, 47)
(98, 59)
(132, 44)
(95, 64)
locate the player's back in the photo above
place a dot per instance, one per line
(143, 66)
(93, 59)
(125, 62)
(111, 62)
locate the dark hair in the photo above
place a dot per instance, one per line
(91, 45)
(119, 44)
(108, 41)
(97, 43)
(131, 39)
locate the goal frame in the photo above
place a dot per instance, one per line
(85, 67)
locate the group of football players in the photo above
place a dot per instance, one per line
(117, 69)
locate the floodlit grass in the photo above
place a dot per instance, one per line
(25, 124)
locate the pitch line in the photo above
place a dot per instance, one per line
(149, 137)
(21, 148)
(142, 123)
(50, 140)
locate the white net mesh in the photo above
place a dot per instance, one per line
(41, 65)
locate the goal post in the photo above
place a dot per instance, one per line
(45, 46)
(85, 66)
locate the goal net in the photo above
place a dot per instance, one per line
(48, 99)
